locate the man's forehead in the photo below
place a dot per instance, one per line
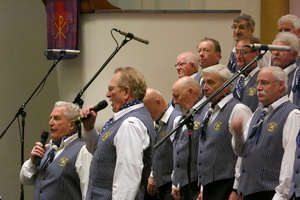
(241, 22)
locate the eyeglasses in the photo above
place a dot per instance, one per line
(180, 64)
(264, 83)
(234, 27)
(241, 52)
(111, 88)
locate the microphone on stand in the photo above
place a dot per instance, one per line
(63, 51)
(130, 35)
(44, 137)
(101, 105)
(268, 47)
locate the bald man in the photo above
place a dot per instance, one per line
(165, 117)
(187, 95)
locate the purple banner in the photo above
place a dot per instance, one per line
(62, 25)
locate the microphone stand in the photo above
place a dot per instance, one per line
(78, 99)
(22, 113)
(188, 119)
(190, 126)
(194, 111)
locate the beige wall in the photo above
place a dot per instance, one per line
(23, 66)
(169, 34)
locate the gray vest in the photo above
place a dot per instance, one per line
(296, 173)
(163, 155)
(249, 94)
(181, 151)
(104, 159)
(261, 162)
(216, 159)
(60, 181)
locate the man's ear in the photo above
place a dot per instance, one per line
(127, 92)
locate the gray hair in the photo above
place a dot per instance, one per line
(290, 18)
(72, 112)
(190, 57)
(289, 38)
(250, 21)
(280, 75)
(220, 70)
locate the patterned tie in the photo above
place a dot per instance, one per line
(106, 125)
(232, 63)
(237, 92)
(257, 127)
(127, 105)
(296, 85)
(49, 159)
(55, 146)
(204, 124)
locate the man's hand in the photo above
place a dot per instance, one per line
(37, 151)
(200, 196)
(88, 124)
(236, 126)
(175, 193)
(151, 189)
(235, 196)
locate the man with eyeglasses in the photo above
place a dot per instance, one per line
(267, 145)
(216, 159)
(244, 86)
(121, 161)
(244, 26)
(187, 64)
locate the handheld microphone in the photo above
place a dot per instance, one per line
(101, 105)
(268, 47)
(130, 35)
(63, 51)
(44, 137)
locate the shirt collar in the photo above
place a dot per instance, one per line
(290, 68)
(64, 142)
(124, 111)
(276, 103)
(167, 114)
(223, 102)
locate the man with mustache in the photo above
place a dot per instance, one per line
(267, 146)
(286, 59)
(244, 26)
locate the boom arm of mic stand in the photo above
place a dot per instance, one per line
(21, 109)
(78, 99)
(192, 114)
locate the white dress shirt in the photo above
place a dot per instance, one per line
(82, 165)
(289, 134)
(130, 141)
